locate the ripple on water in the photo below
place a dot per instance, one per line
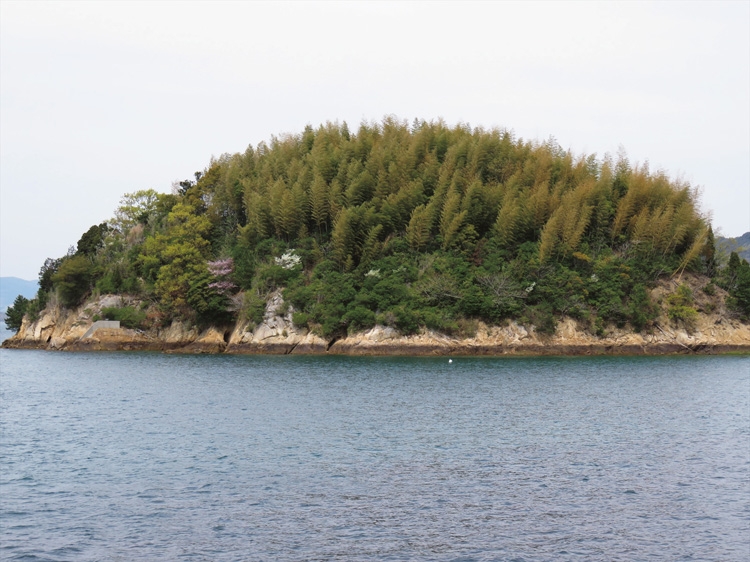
(146, 456)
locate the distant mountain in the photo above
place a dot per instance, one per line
(740, 244)
(11, 287)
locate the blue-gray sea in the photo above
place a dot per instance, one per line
(145, 456)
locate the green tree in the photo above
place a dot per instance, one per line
(708, 254)
(14, 314)
(135, 208)
(176, 258)
(73, 279)
(739, 285)
(210, 305)
(92, 240)
(344, 236)
(418, 231)
(319, 203)
(48, 269)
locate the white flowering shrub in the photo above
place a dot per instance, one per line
(288, 260)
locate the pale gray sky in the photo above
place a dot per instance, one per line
(98, 99)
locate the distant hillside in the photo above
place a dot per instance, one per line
(11, 287)
(741, 245)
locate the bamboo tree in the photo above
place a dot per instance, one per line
(418, 230)
(319, 203)
(509, 218)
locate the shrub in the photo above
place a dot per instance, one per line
(436, 319)
(641, 310)
(271, 277)
(254, 307)
(710, 289)
(128, 316)
(680, 309)
(467, 327)
(543, 320)
(300, 319)
(407, 321)
(359, 318)
(35, 306)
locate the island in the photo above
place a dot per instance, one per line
(399, 239)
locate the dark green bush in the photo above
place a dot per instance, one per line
(641, 311)
(358, 318)
(210, 306)
(300, 319)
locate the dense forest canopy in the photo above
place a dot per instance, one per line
(403, 225)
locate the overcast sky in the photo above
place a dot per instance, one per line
(98, 99)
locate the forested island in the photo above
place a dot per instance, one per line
(401, 231)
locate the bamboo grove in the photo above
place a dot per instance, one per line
(412, 226)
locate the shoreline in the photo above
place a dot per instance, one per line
(61, 329)
(455, 348)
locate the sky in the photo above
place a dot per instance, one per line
(99, 99)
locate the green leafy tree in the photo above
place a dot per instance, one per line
(73, 279)
(92, 240)
(210, 305)
(48, 269)
(177, 258)
(136, 208)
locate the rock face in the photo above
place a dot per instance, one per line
(713, 332)
(276, 334)
(515, 339)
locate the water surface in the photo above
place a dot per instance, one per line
(127, 456)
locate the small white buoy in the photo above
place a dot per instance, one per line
(450, 360)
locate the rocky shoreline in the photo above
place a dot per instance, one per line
(59, 329)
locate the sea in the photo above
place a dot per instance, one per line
(147, 456)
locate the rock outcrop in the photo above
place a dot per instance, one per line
(276, 334)
(569, 339)
(714, 331)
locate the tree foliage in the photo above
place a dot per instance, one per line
(15, 312)
(73, 279)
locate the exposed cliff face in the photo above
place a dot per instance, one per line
(569, 339)
(277, 334)
(714, 331)
(62, 329)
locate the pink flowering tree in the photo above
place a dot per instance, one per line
(222, 270)
(221, 286)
